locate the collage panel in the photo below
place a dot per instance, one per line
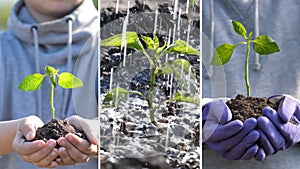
(48, 71)
(150, 84)
(251, 84)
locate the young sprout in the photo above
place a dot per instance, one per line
(65, 80)
(154, 52)
(263, 45)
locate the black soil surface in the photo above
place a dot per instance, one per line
(55, 129)
(243, 107)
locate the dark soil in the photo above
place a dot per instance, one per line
(243, 107)
(55, 129)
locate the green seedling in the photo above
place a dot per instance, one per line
(65, 80)
(263, 45)
(153, 52)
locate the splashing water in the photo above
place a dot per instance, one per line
(175, 10)
(187, 6)
(155, 21)
(111, 79)
(117, 7)
(124, 30)
(178, 24)
(188, 35)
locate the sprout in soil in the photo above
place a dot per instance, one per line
(263, 45)
(65, 80)
(154, 52)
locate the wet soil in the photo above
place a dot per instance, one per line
(243, 107)
(57, 128)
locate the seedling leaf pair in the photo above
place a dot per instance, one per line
(66, 80)
(263, 45)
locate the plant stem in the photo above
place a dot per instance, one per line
(150, 97)
(52, 101)
(149, 58)
(247, 68)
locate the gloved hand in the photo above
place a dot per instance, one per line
(276, 129)
(232, 140)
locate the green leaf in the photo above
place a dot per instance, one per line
(181, 47)
(108, 98)
(160, 49)
(132, 41)
(183, 73)
(68, 81)
(265, 45)
(53, 80)
(138, 93)
(156, 41)
(183, 64)
(186, 97)
(222, 54)
(250, 35)
(193, 2)
(50, 70)
(32, 82)
(180, 65)
(151, 44)
(239, 28)
(148, 41)
(165, 70)
(116, 96)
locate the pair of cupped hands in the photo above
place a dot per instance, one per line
(72, 150)
(253, 138)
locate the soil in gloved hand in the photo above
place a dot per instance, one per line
(243, 107)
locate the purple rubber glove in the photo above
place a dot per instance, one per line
(277, 131)
(232, 140)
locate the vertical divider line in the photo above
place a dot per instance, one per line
(200, 78)
(256, 32)
(98, 83)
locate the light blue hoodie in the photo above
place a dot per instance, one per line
(68, 44)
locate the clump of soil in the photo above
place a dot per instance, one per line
(57, 128)
(243, 107)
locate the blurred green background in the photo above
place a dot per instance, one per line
(5, 6)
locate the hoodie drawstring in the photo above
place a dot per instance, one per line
(256, 29)
(69, 64)
(210, 70)
(69, 45)
(37, 66)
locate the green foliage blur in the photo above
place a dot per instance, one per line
(5, 8)
(96, 3)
